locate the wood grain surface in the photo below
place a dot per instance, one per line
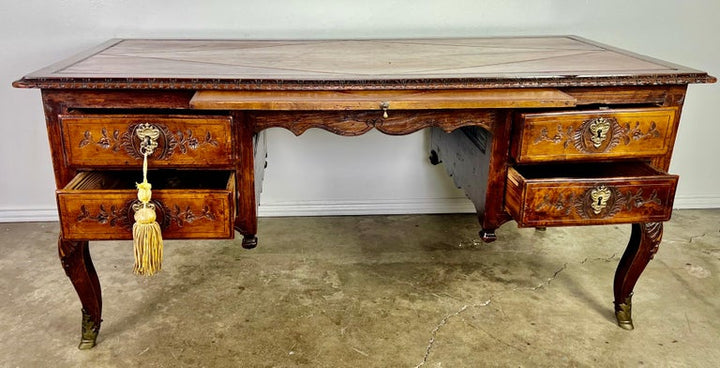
(343, 64)
(381, 100)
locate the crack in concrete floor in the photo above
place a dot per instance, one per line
(444, 321)
(450, 331)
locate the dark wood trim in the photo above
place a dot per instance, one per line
(352, 123)
(339, 85)
(246, 220)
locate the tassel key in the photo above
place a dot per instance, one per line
(147, 242)
(147, 236)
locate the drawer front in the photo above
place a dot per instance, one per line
(112, 141)
(588, 135)
(97, 214)
(589, 201)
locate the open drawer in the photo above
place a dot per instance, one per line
(589, 194)
(189, 204)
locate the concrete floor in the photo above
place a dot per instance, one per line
(381, 291)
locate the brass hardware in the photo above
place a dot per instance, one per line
(89, 331)
(623, 314)
(138, 205)
(385, 106)
(599, 129)
(599, 197)
(148, 135)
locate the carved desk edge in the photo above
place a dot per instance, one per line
(340, 85)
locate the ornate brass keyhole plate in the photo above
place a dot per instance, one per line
(600, 197)
(148, 135)
(597, 135)
(598, 131)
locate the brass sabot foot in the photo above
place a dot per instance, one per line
(89, 332)
(623, 313)
(87, 344)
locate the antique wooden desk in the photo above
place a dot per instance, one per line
(548, 131)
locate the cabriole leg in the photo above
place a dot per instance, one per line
(75, 259)
(644, 241)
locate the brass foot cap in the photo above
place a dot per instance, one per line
(624, 323)
(86, 344)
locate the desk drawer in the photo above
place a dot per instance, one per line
(552, 195)
(590, 135)
(111, 141)
(189, 204)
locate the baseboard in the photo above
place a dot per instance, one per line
(702, 201)
(28, 214)
(369, 207)
(343, 208)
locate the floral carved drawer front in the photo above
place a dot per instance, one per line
(112, 141)
(547, 195)
(598, 202)
(179, 215)
(128, 142)
(582, 136)
(96, 206)
(122, 216)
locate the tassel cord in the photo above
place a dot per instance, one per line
(147, 236)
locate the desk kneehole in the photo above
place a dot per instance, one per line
(589, 194)
(189, 204)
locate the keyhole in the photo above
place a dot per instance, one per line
(599, 133)
(599, 201)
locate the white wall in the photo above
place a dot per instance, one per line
(319, 172)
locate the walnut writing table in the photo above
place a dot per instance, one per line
(548, 131)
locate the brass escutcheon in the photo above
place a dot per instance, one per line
(599, 129)
(600, 197)
(148, 135)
